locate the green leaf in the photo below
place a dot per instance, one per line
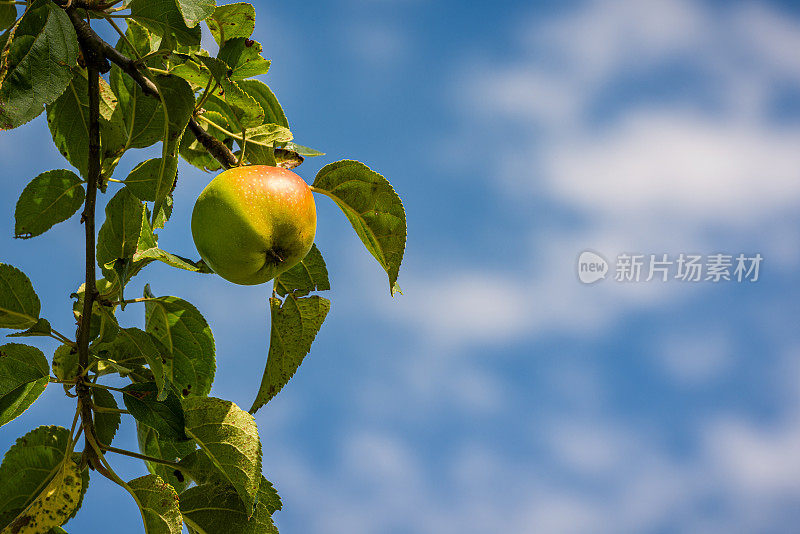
(216, 509)
(228, 435)
(143, 180)
(231, 21)
(164, 19)
(151, 444)
(122, 353)
(194, 11)
(139, 344)
(28, 466)
(295, 323)
(195, 153)
(102, 323)
(118, 238)
(24, 374)
(172, 260)
(140, 114)
(203, 471)
(50, 198)
(309, 275)
(163, 216)
(184, 331)
(303, 150)
(273, 112)
(239, 109)
(105, 423)
(19, 304)
(65, 363)
(68, 120)
(158, 503)
(8, 16)
(38, 65)
(57, 502)
(164, 416)
(373, 208)
(155, 253)
(243, 56)
(179, 99)
(41, 328)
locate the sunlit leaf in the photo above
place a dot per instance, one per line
(295, 323)
(50, 198)
(228, 435)
(373, 208)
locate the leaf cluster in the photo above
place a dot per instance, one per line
(203, 453)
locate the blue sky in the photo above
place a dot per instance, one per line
(499, 394)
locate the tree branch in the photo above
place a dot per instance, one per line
(214, 146)
(98, 48)
(90, 289)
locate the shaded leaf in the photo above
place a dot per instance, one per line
(309, 275)
(231, 21)
(179, 99)
(8, 15)
(151, 444)
(216, 509)
(373, 208)
(24, 374)
(295, 323)
(143, 180)
(19, 304)
(195, 153)
(68, 120)
(41, 328)
(118, 238)
(164, 416)
(228, 435)
(37, 67)
(184, 331)
(65, 363)
(158, 503)
(50, 198)
(105, 423)
(203, 471)
(133, 344)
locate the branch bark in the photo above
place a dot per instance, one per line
(90, 289)
(214, 146)
(96, 49)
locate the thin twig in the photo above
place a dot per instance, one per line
(138, 456)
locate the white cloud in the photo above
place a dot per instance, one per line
(658, 176)
(694, 358)
(676, 165)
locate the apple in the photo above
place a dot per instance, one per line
(252, 223)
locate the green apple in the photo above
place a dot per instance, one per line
(252, 223)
